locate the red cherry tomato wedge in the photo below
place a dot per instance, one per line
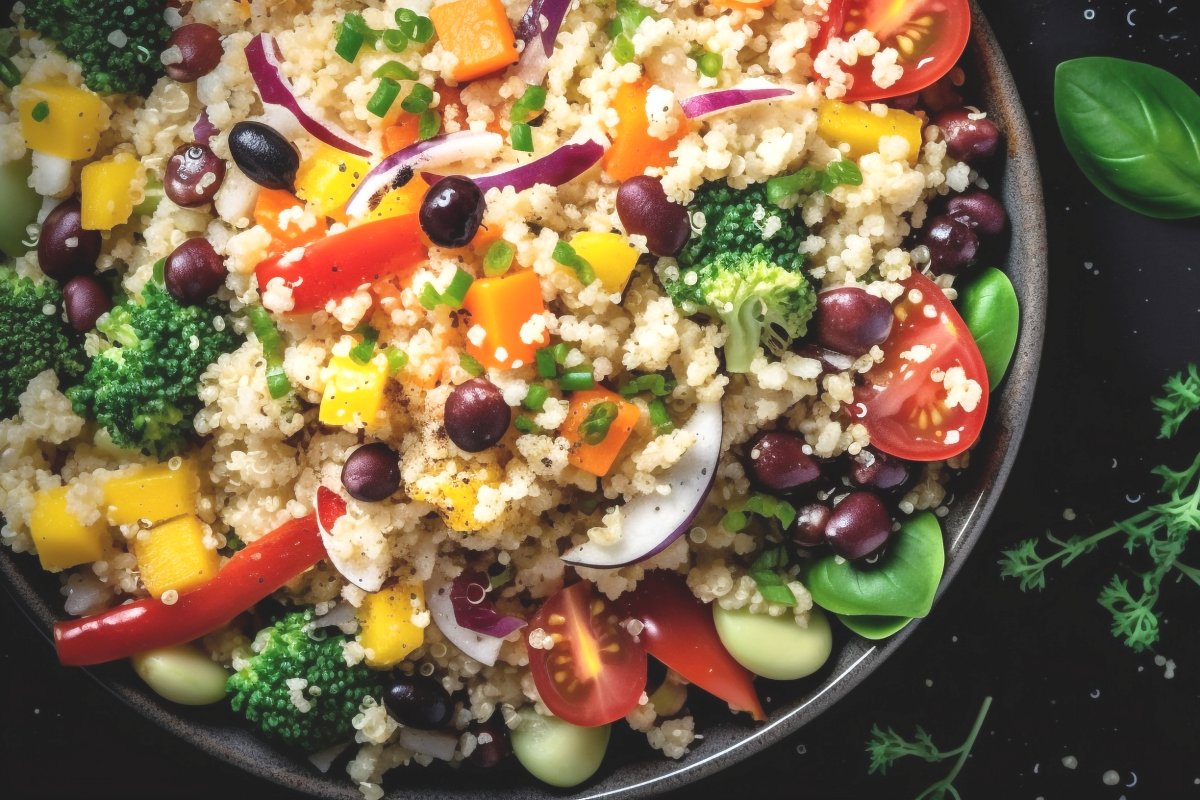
(679, 631)
(919, 403)
(930, 36)
(596, 671)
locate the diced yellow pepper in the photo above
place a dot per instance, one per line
(109, 190)
(328, 178)
(611, 255)
(154, 493)
(61, 120)
(173, 556)
(457, 497)
(353, 391)
(62, 540)
(386, 626)
(861, 129)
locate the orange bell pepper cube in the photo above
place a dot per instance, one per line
(478, 33)
(402, 133)
(502, 306)
(271, 203)
(338, 265)
(598, 458)
(633, 149)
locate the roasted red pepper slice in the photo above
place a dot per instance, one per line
(252, 574)
(336, 266)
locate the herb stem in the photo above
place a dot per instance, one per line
(964, 752)
(1189, 572)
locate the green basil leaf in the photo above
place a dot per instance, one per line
(901, 584)
(988, 305)
(875, 628)
(1134, 130)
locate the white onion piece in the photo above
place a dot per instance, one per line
(435, 744)
(264, 58)
(342, 616)
(652, 522)
(86, 595)
(235, 199)
(449, 148)
(323, 759)
(51, 175)
(564, 164)
(484, 649)
(367, 575)
(740, 96)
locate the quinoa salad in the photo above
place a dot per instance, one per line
(454, 381)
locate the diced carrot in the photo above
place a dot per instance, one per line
(267, 209)
(502, 306)
(633, 149)
(599, 458)
(478, 33)
(401, 134)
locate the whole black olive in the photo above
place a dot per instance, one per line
(418, 703)
(451, 211)
(372, 472)
(264, 155)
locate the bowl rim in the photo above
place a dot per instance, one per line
(1027, 267)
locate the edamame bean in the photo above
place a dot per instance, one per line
(20, 204)
(989, 306)
(557, 752)
(182, 674)
(775, 647)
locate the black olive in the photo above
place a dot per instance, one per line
(372, 472)
(264, 155)
(451, 211)
(419, 703)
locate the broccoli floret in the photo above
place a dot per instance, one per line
(142, 386)
(744, 267)
(33, 338)
(117, 43)
(311, 716)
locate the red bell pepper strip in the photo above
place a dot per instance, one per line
(679, 631)
(336, 266)
(253, 573)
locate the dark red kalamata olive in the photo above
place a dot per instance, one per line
(905, 102)
(476, 415)
(418, 702)
(372, 473)
(264, 155)
(452, 211)
(194, 272)
(850, 320)
(878, 470)
(645, 210)
(85, 300)
(980, 210)
(491, 744)
(778, 463)
(831, 360)
(198, 54)
(194, 174)
(64, 248)
(968, 139)
(811, 521)
(952, 245)
(858, 526)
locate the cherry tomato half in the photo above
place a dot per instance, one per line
(919, 403)
(930, 36)
(679, 631)
(596, 671)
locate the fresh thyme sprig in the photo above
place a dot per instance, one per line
(886, 747)
(1181, 399)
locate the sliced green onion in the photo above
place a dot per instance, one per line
(349, 40)
(397, 359)
(272, 345)
(40, 111)
(535, 398)
(498, 575)
(622, 49)
(594, 427)
(528, 106)
(422, 30)
(9, 72)
(456, 292)
(657, 385)
(396, 71)
(430, 297)
(418, 100)
(660, 418)
(710, 64)
(470, 365)
(363, 352)
(565, 254)
(395, 40)
(406, 16)
(522, 137)
(841, 173)
(547, 367)
(152, 195)
(428, 125)
(577, 379)
(498, 258)
(805, 181)
(158, 272)
(525, 424)
(384, 96)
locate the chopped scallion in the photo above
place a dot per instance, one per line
(9, 72)
(456, 292)
(418, 100)
(710, 64)
(660, 418)
(397, 359)
(841, 173)
(498, 259)
(272, 345)
(577, 379)
(395, 40)
(396, 71)
(470, 365)
(384, 96)
(805, 181)
(522, 137)
(406, 16)
(525, 424)
(349, 41)
(428, 125)
(529, 104)
(422, 30)
(535, 398)
(566, 255)
(364, 351)
(430, 297)
(594, 427)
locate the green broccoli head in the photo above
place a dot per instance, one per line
(33, 338)
(741, 221)
(142, 386)
(117, 43)
(311, 716)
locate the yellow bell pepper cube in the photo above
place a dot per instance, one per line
(611, 255)
(62, 540)
(172, 555)
(328, 178)
(109, 190)
(153, 493)
(843, 123)
(386, 624)
(456, 498)
(62, 120)
(353, 391)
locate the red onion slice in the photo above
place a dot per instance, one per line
(264, 56)
(702, 105)
(204, 130)
(439, 597)
(652, 522)
(565, 164)
(398, 168)
(473, 609)
(366, 575)
(539, 40)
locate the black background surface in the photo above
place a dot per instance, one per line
(1125, 313)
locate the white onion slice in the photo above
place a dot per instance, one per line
(263, 57)
(366, 575)
(564, 164)
(702, 105)
(652, 522)
(436, 744)
(484, 649)
(449, 148)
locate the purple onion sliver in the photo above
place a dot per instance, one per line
(204, 130)
(480, 617)
(699, 105)
(555, 11)
(561, 166)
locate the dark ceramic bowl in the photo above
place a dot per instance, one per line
(631, 771)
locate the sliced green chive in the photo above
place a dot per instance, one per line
(535, 398)
(396, 71)
(40, 111)
(428, 125)
(470, 365)
(782, 187)
(522, 137)
(349, 41)
(405, 16)
(422, 30)
(547, 367)
(397, 359)
(418, 100)
(530, 104)
(364, 351)
(841, 173)
(660, 418)
(594, 427)
(657, 385)
(456, 292)
(498, 259)
(272, 344)
(577, 379)
(710, 64)
(9, 72)
(622, 49)
(384, 96)
(395, 40)
(565, 254)
(430, 297)
(525, 424)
